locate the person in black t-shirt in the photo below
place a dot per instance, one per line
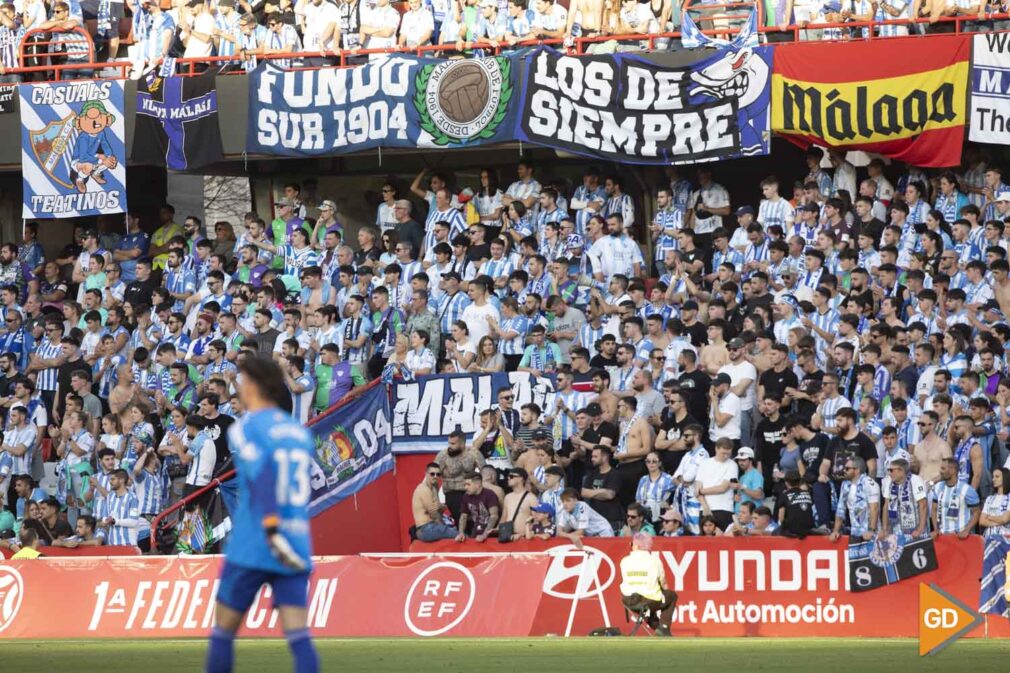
(813, 446)
(696, 330)
(601, 486)
(848, 443)
(673, 419)
(606, 355)
(769, 436)
(795, 507)
(805, 396)
(694, 384)
(779, 377)
(217, 428)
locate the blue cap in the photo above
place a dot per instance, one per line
(544, 508)
(745, 210)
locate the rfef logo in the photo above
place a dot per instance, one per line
(12, 589)
(942, 619)
(439, 599)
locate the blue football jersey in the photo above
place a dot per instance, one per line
(273, 457)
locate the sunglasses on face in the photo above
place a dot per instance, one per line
(434, 474)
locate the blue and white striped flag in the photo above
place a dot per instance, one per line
(73, 155)
(691, 37)
(992, 598)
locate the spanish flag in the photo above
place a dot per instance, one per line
(903, 97)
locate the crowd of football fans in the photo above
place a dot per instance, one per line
(238, 34)
(829, 360)
(811, 364)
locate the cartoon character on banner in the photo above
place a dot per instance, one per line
(741, 74)
(77, 148)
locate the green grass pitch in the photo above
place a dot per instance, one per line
(524, 655)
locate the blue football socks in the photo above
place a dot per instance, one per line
(306, 659)
(221, 655)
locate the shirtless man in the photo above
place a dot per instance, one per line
(489, 475)
(427, 509)
(634, 444)
(518, 502)
(588, 15)
(319, 293)
(636, 437)
(126, 392)
(604, 397)
(714, 354)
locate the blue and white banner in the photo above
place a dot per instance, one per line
(635, 108)
(993, 594)
(73, 154)
(404, 102)
(425, 411)
(354, 447)
(990, 89)
(692, 37)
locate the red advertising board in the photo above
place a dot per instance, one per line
(727, 587)
(161, 597)
(744, 586)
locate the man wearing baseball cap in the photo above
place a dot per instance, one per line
(672, 524)
(643, 585)
(743, 382)
(750, 488)
(725, 406)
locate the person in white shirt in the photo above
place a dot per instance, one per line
(725, 406)
(416, 26)
(577, 519)
(321, 28)
(743, 377)
(198, 33)
(480, 314)
(378, 27)
(905, 501)
(716, 483)
(525, 189)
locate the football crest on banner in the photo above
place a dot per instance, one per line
(463, 100)
(742, 76)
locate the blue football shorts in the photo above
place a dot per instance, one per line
(239, 586)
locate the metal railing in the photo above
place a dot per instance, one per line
(344, 58)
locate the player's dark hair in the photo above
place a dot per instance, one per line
(266, 375)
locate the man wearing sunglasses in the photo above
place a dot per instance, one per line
(429, 525)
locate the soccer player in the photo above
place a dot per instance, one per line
(270, 541)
